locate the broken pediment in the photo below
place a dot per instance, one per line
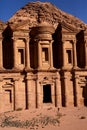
(8, 32)
(67, 28)
(52, 15)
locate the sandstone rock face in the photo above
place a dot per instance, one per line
(53, 15)
(1, 25)
(43, 59)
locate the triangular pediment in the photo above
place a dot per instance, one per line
(21, 25)
(25, 25)
(68, 28)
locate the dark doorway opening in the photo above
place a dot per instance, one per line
(47, 93)
(85, 102)
(84, 94)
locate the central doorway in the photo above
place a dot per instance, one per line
(47, 93)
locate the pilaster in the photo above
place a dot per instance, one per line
(30, 92)
(58, 91)
(37, 93)
(66, 90)
(15, 54)
(76, 90)
(74, 55)
(39, 55)
(51, 55)
(63, 55)
(17, 94)
(27, 55)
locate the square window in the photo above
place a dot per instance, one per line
(21, 56)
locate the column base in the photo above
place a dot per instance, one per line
(39, 68)
(66, 67)
(2, 68)
(28, 68)
(75, 67)
(15, 68)
(52, 68)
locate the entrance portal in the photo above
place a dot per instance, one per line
(47, 93)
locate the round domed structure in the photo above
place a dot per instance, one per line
(44, 30)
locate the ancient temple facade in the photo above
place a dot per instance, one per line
(42, 66)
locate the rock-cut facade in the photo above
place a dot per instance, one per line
(43, 59)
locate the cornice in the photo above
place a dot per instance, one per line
(69, 28)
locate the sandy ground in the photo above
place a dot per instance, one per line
(52, 119)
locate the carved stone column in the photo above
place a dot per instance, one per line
(76, 90)
(58, 91)
(51, 55)
(85, 54)
(1, 54)
(27, 55)
(30, 92)
(17, 94)
(66, 90)
(15, 54)
(38, 94)
(63, 55)
(39, 55)
(74, 55)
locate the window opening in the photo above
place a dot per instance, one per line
(21, 56)
(44, 54)
(69, 56)
(47, 94)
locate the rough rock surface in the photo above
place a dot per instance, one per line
(29, 14)
(1, 25)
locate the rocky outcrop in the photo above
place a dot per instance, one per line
(1, 25)
(53, 15)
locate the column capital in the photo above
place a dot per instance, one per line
(73, 41)
(57, 75)
(27, 39)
